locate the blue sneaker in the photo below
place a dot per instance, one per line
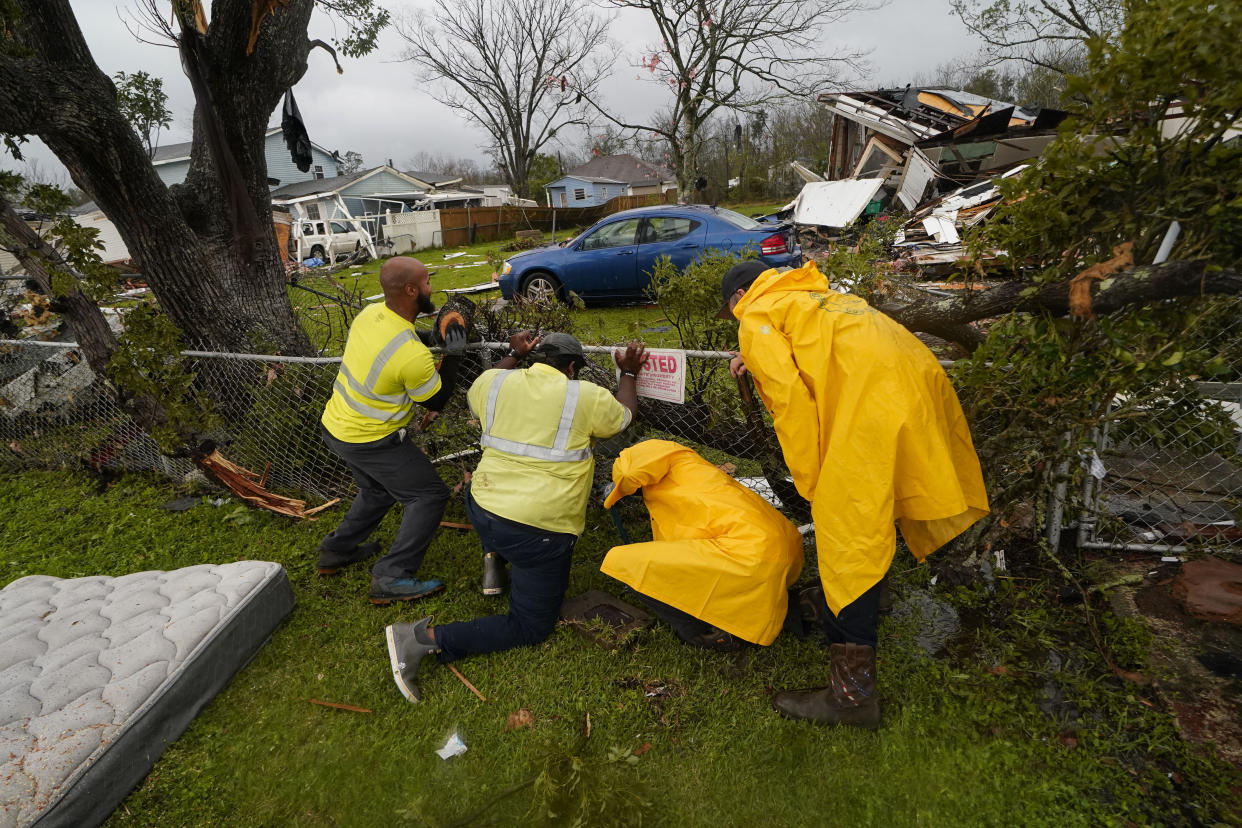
(387, 590)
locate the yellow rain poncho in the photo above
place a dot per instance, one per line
(720, 552)
(869, 425)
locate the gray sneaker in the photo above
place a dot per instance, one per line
(408, 644)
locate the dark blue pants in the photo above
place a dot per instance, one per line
(857, 623)
(538, 577)
(390, 470)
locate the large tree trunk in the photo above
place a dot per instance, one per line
(219, 294)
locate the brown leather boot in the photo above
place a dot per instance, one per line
(850, 697)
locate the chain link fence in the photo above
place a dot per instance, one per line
(1163, 472)
(54, 412)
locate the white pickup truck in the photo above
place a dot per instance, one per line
(328, 240)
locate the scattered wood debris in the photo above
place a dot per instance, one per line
(248, 486)
(339, 706)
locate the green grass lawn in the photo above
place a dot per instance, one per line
(596, 325)
(677, 736)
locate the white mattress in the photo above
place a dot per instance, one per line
(98, 675)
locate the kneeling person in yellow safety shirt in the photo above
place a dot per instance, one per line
(386, 369)
(722, 558)
(528, 496)
(872, 433)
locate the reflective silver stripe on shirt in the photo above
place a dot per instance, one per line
(567, 415)
(426, 388)
(557, 453)
(489, 413)
(363, 391)
(386, 353)
(366, 410)
(535, 452)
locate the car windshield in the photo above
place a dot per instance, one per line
(738, 220)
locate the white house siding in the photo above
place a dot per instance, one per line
(114, 249)
(413, 231)
(173, 172)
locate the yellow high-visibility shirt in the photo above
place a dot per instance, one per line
(537, 425)
(384, 371)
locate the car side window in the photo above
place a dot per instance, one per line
(308, 229)
(669, 228)
(337, 227)
(617, 234)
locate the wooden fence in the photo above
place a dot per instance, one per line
(467, 225)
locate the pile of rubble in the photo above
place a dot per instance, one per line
(936, 154)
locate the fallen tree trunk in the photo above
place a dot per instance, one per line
(950, 318)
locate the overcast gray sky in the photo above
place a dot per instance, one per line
(378, 108)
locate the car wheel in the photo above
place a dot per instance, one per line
(541, 287)
(317, 253)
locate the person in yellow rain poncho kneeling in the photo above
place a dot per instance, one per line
(872, 433)
(722, 559)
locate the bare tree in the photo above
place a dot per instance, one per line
(349, 162)
(468, 169)
(1049, 34)
(732, 54)
(506, 65)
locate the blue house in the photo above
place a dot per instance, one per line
(607, 177)
(172, 161)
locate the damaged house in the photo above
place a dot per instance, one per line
(933, 152)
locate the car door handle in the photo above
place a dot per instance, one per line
(626, 253)
(687, 245)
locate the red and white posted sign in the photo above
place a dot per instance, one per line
(663, 376)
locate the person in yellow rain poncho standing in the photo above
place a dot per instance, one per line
(872, 433)
(722, 558)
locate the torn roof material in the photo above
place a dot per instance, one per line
(835, 203)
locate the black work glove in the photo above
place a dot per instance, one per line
(455, 340)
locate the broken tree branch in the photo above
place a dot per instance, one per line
(951, 318)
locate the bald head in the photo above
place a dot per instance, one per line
(399, 271)
(407, 286)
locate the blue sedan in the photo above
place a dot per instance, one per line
(613, 260)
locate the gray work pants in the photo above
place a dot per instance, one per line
(389, 470)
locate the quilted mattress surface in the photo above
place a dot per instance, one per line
(99, 674)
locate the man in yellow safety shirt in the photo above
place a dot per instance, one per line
(386, 370)
(528, 496)
(872, 433)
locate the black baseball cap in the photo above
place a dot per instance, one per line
(561, 344)
(739, 276)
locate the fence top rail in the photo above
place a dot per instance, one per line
(332, 360)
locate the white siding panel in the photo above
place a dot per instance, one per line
(173, 172)
(114, 247)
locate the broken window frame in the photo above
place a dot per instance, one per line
(889, 159)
